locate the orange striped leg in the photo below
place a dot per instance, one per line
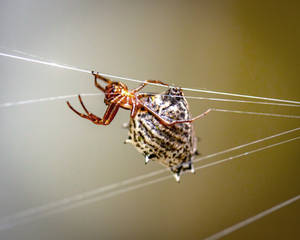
(173, 122)
(146, 83)
(109, 115)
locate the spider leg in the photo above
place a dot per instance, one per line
(98, 85)
(143, 95)
(146, 83)
(84, 108)
(78, 113)
(88, 116)
(98, 76)
(188, 120)
(134, 109)
(109, 114)
(172, 122)
(118, 99)
(201, 115)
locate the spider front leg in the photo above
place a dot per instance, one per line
(146, 83)
(109, 114)
(98, 76)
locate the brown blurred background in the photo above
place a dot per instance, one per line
(48, 153)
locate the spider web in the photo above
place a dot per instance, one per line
(131, 184)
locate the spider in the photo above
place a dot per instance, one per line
(118, 95)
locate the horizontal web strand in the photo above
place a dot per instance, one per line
(53, 64)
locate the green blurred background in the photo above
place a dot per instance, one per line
(48, 153)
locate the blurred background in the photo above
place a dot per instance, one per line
(48, 153)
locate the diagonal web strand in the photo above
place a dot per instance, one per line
(255, 113)
(252, 219)
(10, 104)
(93, 196)
(53, 64)
(47, 99)
(63, 97)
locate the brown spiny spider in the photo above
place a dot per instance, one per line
(117, 95)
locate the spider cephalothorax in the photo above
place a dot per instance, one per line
(160, 124)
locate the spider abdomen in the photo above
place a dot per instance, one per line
(172, 146)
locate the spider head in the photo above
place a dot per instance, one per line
(113, 90)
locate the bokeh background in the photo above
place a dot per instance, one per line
(48, 153)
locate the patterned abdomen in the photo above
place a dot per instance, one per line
(172, 146)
